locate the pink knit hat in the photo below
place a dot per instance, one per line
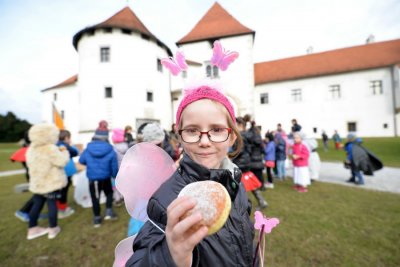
(118, 136)
(204, 92)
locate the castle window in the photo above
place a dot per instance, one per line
(149, 96)
(264, 98)
(296, 95)
(104, 54)
(335, 91)
(108, 92)
(352, 127)
(376, 87)
(62, 114)
(184, 74)
(107, 30)
(55, 97)
(211, 71)
(126, 31)
(159, 65)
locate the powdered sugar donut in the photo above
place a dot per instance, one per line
(213, 202)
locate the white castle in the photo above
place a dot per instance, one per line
(121, 80)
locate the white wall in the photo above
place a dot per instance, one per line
(318, 109)
(131, 72)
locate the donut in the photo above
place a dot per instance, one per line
(213, 202)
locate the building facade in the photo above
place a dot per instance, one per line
(121, 79)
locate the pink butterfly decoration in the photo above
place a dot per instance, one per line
(265, 225)
(269, 223)
(221, 57)
(177, 64)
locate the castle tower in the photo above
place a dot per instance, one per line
(120, 77)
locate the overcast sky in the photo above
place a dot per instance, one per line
(36, 35)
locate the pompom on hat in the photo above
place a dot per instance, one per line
(118, 136)
(204, 92)
(153, 133)
(101, 132)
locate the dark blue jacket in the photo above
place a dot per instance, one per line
(100, 160)
(280, 148)
(232, 245)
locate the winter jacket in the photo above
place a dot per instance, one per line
(70, 168)
(242, 160)
(301, 150)
(280, 148)
(120, 149)
(45, 160)
(269, 151)
(232, 245)
(257, 150)
(362, 159)
(100, 160)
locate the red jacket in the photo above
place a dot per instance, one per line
(302, 151)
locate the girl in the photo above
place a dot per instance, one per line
(300, 155)
(269, 157)
(46, 164)
(206, 129)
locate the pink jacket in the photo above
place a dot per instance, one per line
(302, 151)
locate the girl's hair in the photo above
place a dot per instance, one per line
(231, 124)
(64, 134)
(128, 128)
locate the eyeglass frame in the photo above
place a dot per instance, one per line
(208, 136)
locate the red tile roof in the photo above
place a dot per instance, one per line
(124, 19)
(69, 81)
(368, 56)
(216, 23)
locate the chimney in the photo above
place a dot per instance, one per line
(310, 50)
(370, 39)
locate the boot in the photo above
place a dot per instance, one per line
(261, 201)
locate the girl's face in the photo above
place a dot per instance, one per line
(205, 115)
(297, 138)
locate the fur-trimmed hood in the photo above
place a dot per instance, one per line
(43, 134)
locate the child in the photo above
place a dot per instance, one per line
(269, 157)
(46, 164)
(242, 160)
(280, 154)
(128, 138)
(101, 164)
(120, 148)
(300, 155)
(64, 139)
(206, 127)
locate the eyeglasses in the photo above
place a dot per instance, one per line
(215, 135)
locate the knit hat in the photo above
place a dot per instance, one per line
(118, 135)
(204, 92)
(101, 132)
(153, 133)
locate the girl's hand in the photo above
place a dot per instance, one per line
(181, 239)
(294, 156)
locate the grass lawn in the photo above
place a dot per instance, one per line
(387, 149)
(331, 225)
(6, 150)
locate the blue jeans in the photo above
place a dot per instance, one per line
(280, 166)
(38, 203)
(359, 175)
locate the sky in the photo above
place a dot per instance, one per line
(36, 50)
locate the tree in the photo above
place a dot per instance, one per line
(12, 129)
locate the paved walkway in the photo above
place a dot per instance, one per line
(387, 179)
